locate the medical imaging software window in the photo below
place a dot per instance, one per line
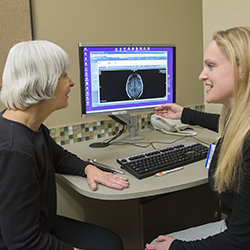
(128, 75)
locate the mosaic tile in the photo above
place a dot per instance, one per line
(100, 129)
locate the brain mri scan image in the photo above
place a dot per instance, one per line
(134, 86)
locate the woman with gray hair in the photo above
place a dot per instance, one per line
(35, 84)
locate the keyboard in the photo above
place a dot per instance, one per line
(148, 163)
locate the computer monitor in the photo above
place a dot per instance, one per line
(119, 79)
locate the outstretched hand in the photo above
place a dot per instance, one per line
(171, 111)
(96, 176)
(163, 242)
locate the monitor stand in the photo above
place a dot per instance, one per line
(132, 122)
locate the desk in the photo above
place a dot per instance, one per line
(129, 212)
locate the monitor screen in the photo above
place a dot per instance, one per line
(119, 79)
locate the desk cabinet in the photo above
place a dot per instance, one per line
(179, 210)
(140, 220)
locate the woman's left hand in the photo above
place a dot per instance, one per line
(163, 242)
(96, 176)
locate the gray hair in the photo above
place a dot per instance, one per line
(31, 73)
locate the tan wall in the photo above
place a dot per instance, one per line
(222, 14)
(15, 26)
(160, 21)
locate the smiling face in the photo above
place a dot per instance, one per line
(62, 90)
(218, 76)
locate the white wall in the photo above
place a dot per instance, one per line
(222, 14)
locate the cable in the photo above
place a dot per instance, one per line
(179, 132)
(106, 143)
(119, 133)
(148, 144)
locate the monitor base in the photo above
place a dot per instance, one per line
(98, 145)
(133, 138)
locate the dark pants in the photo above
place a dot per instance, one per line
(86, 236)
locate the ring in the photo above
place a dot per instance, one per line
(115, 177)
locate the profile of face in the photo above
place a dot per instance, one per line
(62, 92)
(218, 76)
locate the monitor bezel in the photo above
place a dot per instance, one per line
(81, 45)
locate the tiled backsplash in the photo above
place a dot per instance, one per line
(100, 129)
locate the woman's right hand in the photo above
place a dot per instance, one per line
(171, 111)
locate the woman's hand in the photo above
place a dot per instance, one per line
(96, 176)
(171, 111)
(163, 243)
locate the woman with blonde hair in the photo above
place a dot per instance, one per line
(226, 73)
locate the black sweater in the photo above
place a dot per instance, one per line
(237, 235)
(28, 162)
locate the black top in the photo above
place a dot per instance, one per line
(28, 162)
(237, 235)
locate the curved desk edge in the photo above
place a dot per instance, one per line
(119, 194)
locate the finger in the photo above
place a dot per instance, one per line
(161, 238)
(158, 109)
(115, 181)
(92, 184)
(119, 178)
(150, 246)
(120, 181)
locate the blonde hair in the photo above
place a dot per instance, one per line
(234, 125)
(31, 73)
